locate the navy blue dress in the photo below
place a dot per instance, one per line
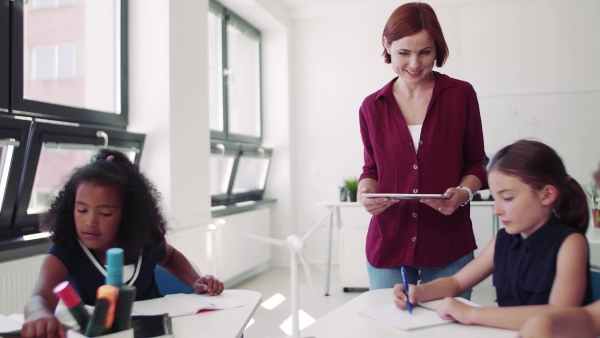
(86, 279)
(524, 269)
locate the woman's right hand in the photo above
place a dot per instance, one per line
(42, 324)
(374, 205)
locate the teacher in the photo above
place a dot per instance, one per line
(422, 135)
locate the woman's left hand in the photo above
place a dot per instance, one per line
(454, 198)
(208, 284)
(450, 308)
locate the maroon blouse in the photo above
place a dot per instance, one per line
(451, 147)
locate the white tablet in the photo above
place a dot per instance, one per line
(406, 196)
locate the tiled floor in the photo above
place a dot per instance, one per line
(277, 280)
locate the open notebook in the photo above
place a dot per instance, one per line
(423, 315)
(182, 304)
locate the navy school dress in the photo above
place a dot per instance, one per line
(524, 269)
(86, 278)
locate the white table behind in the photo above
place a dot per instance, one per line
(346, 322)
(334, 207)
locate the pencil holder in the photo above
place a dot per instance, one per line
(121, 334)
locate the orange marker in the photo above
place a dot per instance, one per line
(110, 293)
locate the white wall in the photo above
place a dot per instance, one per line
(168, 101)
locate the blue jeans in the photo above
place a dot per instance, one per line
(388, 277)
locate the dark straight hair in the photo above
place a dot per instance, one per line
(538, 165)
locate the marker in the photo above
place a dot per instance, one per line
(65, 291)
(110, 293)
(124, 307)
(403, 272)
(114, 267)
(96, 325)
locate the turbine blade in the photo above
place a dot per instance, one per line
(275, 241)
(317, 224)
(306, 270)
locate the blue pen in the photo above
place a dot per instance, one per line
(403, 272)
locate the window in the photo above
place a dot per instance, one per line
(215, 76)
(63, 95)
(42, 4)
(69, 60)
(55, 150)
(234, 77)
(53, 63)
(251, 174)
(223, 159)
(13, 143)
(238, 164)
(238, 172)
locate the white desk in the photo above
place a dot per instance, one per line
(335, 213)
(228, 323)
(346, 322)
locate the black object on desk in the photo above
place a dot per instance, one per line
(152, 326)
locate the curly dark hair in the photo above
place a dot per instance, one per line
(143, 226)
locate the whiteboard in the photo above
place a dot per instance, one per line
(568, 122)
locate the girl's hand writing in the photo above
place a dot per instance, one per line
(400, 296)
(450, 308)
(208, 284)
(42, 324)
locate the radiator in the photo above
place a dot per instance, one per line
(17, 279)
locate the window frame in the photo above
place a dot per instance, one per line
(229, 149)
(250, 150)
(47, 110)
(20, 130)
(41, 132)
(227, 16)
(4, 55)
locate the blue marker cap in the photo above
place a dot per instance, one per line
(114, 268)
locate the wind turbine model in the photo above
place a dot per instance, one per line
(295, 244)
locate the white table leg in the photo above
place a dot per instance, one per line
(328, 271)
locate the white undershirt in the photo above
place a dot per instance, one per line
(130, 272)
(415, 132)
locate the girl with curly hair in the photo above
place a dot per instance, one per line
(105, 204)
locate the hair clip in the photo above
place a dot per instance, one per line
(109, 158)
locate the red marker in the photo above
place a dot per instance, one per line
(71, 299)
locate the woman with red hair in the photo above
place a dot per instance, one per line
(422, 134)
